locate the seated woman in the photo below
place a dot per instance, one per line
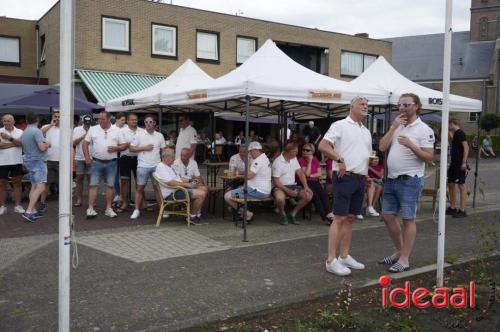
(312, 169)
(487, 147)
(375, 173)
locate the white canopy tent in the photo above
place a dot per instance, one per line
(187, 75)
(382, 77)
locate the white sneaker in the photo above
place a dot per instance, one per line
(110, 213)
(337, 268)
(359, 217)
(19, 209)
(135, 214)
(372, 212)
(351, 263)
(91, 213)
(117, 199)
(3, 210)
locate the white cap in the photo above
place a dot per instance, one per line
(254, 146)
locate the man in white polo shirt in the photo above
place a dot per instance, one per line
(349, 143)
(105, 142)
(11, 162)
(79, 134)
(285, 168)
(259, 179)
(149, 145)
(187, 137)
(171, 178)
(411, 144)
(51, 132)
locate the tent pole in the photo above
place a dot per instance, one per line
(444, 145)
(160, 119)
(66, 101)
(478, 152)
(283, 125)
(245, 188)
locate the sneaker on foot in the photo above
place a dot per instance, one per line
(117, 198)
(29, 217)
(370, 211)
(110, 213)
(38, 214)
(351, 263)
(201, 221)
(3, 210)
(451, 211)
(135, 214)
(294, 220)
(194, 221)
(41, 206)
(91, 213)
(19, 209)
(284, 220)
(359, 217)
(337, 268)
(460, 214)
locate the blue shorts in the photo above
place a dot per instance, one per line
(143, 174)
(102, 171)
(252, 193)
(81, 168)
(179, 194)
(37, 171)
(348, 194)
(401, 197)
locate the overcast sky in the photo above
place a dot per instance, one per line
(379, 18)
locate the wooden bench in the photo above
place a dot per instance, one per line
(213, 193)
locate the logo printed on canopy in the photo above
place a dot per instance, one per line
(128, 102)
(324, 94)
(197, 94)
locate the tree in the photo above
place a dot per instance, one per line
(489, 122)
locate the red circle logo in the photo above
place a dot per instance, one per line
(384, 281)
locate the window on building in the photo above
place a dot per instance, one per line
(245, 48)
(10, 51)
(353, 64)
(43, 50)
(207, 46)
(483, 28)
(164, 40)
(115, 34)
(473, 116)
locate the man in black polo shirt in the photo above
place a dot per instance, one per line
(458, 169)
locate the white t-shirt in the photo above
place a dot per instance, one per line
(166, 173)
(261, 167)
(220, 141)
(187, 172)
(401, 160)
(127, 135)
(285, 170)
(77, 133)
(100, 139)
(353, 142)
(14, 155)
(149, 158)
(236, 162)
(53, 138)
(187, 136)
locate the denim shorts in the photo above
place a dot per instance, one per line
(143, 173)
(348, 194)
(252, 193)
(81, 167)
(179, 194)
(401, 197)
(103, 171)
(37, 171)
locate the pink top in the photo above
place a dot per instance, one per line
(378, 168)
(315, 166)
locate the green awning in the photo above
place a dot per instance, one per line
(108, 85)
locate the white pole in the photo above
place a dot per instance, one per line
(66, 120)
(444, 144)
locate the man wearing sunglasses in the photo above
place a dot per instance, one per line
(411, 145)
(349, 144)
(148, 144)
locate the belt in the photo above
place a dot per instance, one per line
(104, 161)
(404, 177)
(355, 175)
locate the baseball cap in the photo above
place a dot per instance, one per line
(254, 146)
(87, 118)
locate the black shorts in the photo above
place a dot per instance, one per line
(11, 171)
(456, 174)
(128, 166)
(348, 194)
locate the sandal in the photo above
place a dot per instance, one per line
(398, 267)
(387, 260)
(121, 209)
(77, 204)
